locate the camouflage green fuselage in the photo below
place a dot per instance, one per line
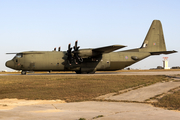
(57, 61)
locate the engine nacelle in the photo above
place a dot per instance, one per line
(85, 53)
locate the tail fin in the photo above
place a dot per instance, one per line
(154, 41)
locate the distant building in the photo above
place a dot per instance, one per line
(159, 67)
(177, 67)
(165, 63)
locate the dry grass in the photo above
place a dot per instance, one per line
(171, 101)
(68, 88)
(154, 70)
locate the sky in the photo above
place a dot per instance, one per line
(41, 25)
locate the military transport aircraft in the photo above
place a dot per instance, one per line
(91, 60)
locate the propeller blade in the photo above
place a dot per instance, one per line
(69, 54)
(76, 47)
(77, 58)
(69, 46)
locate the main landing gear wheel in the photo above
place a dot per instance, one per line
(91, 72)
(79, 72)
(23, 73)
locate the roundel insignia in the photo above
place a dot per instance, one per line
(154, 43)
(126, 57)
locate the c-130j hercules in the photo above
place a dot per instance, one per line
(91, 60)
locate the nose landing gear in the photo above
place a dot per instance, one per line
(23, 73)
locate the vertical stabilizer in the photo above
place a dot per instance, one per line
(154, 41)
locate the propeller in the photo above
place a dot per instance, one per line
(76, 48)
(77, 58)
(69, 53)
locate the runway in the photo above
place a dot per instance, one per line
(89, 110)
(106, 73)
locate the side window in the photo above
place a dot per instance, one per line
(19, 55)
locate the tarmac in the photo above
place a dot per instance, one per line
(89, 110)
(134, 108)
(105, 73)
(144, 93)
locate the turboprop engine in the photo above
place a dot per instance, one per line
(78, 55)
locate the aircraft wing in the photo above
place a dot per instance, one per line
(108, 49)
(163, 52)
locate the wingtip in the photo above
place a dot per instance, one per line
(175, 51)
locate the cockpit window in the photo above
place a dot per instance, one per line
(19, 55)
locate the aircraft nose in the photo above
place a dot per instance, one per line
(10, 64)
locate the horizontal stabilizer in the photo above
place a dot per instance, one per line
(11, 53)
(163, 52)
(29, 52)
(108, 49)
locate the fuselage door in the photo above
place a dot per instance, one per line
(105, 62)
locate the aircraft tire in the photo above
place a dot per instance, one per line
(91, 72)
(78, 72)
(83, 72)
(23, 73)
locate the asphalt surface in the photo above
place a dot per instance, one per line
(144, 93)
(92, 109)
(107, 73)
(89, 110)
